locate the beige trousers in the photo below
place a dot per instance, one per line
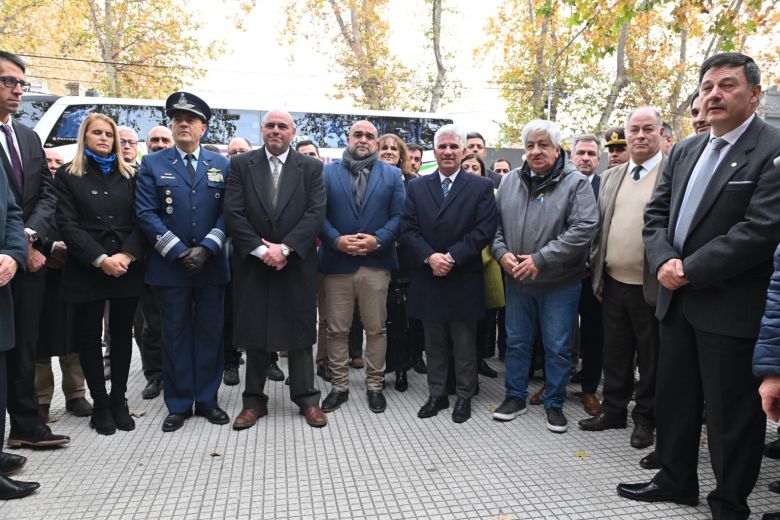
(72, 378)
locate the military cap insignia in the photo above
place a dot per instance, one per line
(614, 136)
(183, 104)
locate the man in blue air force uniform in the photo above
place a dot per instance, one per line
(179, 205)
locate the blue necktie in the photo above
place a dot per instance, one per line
(445, 186)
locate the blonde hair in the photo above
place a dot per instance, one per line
(404, 161)
(78, 166)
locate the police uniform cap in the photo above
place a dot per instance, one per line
(186, 102)
(615, 136)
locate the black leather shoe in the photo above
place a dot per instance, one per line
(323, 370)
(462, 411)
(419, 366)
(79, 407)
(230, 376)
(11, 489)
(214, 416)
(601, 422)
(334, 399)
(274, 373)
(651, 492)
(10, 463)
(401, 381)
(649, 461)
(152, 389)
(772, 449)
(770, 516)
(484, 369)
(643, 436)
(376, 401)
(175, 421)
(774, 487)
(432, 407)
(40, 437)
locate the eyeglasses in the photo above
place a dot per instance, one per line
(127, 142)
(11, 82)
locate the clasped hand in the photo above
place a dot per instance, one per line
(194, 259)
(359, 244)
(116, 265)
(519, 267)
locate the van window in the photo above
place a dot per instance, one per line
(226, 124)
(139, 118)
(32, 109)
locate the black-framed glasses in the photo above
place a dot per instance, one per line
(11, 82)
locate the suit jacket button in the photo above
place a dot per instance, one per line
(193, 242)
(193, 224)
(193, 192)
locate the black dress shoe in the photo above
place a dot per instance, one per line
(643, 436)
(11, 489)
(774, 487)
(432, 407)
(10, 463)
(770, 516)
(323, 370)
(334, 399)
(418, 365)
(651, 492)
(601, 422)
(214, 416)
(230, 376)
(79, 407)
(376, 401)
(401, 382)
(40, 437)
(462, 411)
(484, 369)
(152, 389)
(650, 461)
(274, 373)
(772, 449)
(175, 421)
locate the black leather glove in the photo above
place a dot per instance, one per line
(194, 259)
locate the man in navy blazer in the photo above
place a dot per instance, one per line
(448, 219)
(365, 199)
(179, 206)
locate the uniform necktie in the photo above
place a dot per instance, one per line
(636, 171)
(190, 168)
(696, 190)
(445, 186)
(275, 176)
(16, 162)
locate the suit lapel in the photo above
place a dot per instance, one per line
(434, 186)
(345, 181)
(9, 171)
(204, 163)
(288, 181)
(178, 165)
(455, 189)
(611, 196)
(260, 177)
(373, 181)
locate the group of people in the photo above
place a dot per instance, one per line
(661, 262)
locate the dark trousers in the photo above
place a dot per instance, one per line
(232, 355)
(355, 338)
(192, 346)
(701, 370)
(630, 330)
(301, 368)
(591, 338)
(441, 337)
(87, 331)
(3, 398)
(486, 335)
(501, 340)
(150, 345)
(28, 293)
(416, 338)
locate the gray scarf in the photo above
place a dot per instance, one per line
(360, 170)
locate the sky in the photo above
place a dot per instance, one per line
(256, 70)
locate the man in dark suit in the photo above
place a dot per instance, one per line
(274, 210)
(179, 206)
(449, 217)
(13, 257)
(28, 176)
(710, 231)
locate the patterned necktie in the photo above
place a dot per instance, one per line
(696, 189)
(636, 171)
(275, 177)
(190, 168)
(445, 186)
(16, 162)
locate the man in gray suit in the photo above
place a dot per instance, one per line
(710, 231)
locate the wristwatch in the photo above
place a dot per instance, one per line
(285, 250)
(32, 236)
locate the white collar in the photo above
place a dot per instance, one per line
(281, 157)
(733, 136)
(648, 164)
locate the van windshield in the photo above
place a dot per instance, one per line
(32, 109)
(139, 118)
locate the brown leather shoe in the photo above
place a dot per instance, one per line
(649, 461)
(315, 416)
(536, 399)
(591, 404)
(643, 436)
(248, 417)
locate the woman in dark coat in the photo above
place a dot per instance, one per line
(96, 219)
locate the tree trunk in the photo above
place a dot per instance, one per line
(621, 81)
(538, 90)
(441, 71)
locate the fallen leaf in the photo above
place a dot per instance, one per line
(52, 420)
(138, 413)
(500, 517)
(581, 454)
(215, 453)
(492, 409)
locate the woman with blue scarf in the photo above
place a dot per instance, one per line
(96, 219)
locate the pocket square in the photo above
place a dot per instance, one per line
(740, 182)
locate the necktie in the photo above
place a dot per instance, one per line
(696, 189)
(636, 171)
(16, 162)
(445, 186)
(275, 176)
(190, 168)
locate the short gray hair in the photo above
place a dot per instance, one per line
(121, 129)
(654, 110)
(450, 130)
(543, 126)
(585, 138)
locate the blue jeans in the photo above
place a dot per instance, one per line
(555, 312)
